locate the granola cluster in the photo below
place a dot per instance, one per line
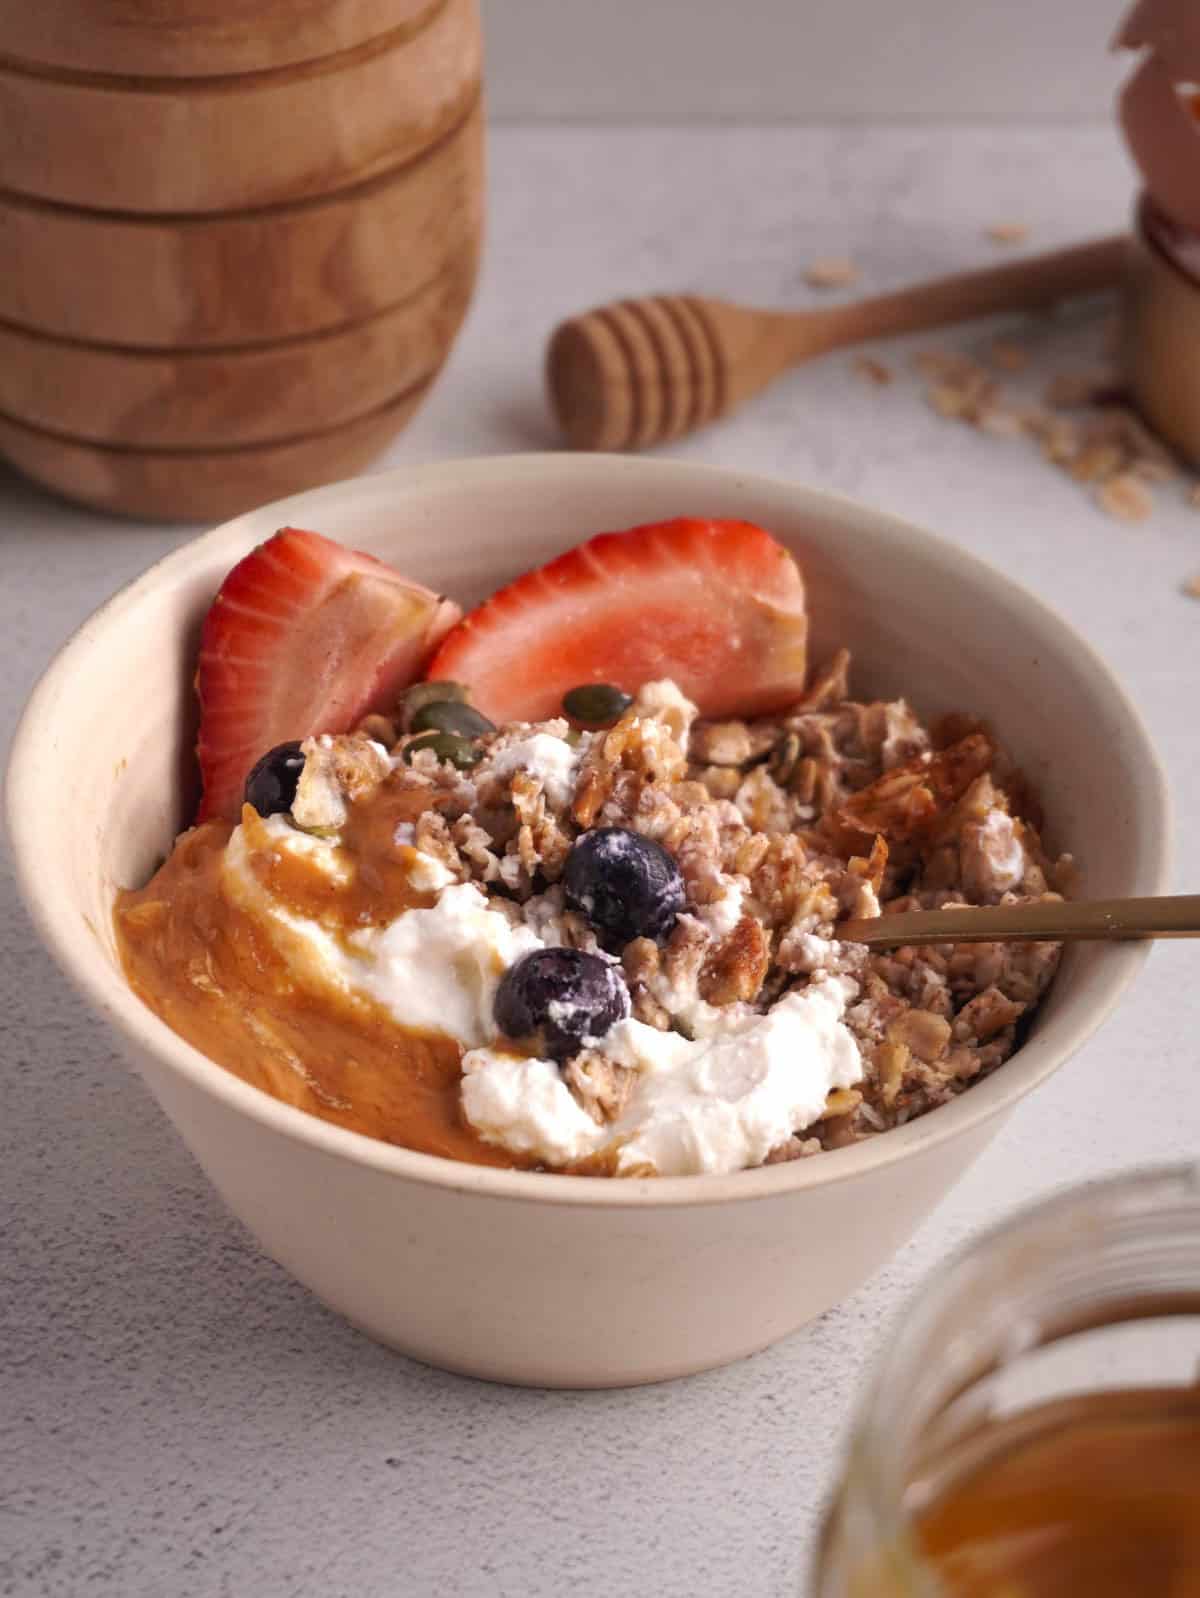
(782, 828)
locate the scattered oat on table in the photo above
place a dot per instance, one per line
(836, 272)
(1007, 232)
(1000, 420)
(874, 371)
(1008, 357)
(1126, 498)
(1099, 460)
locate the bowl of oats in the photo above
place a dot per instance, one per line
(467, 848)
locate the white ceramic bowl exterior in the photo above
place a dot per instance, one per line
(548, 1280)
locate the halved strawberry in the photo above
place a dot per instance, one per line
(717, 605)
(304, 636)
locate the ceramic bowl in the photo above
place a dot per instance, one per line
(555, 1280)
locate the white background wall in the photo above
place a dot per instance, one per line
(770, 60)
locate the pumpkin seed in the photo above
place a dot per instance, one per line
(420, 694)
(451, 715)
(596, 704)
(448, 746)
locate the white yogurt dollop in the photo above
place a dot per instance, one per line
(712, 1103)
(715, 1104)
(552, 760)
(434, 970)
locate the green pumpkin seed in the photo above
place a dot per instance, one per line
(451, 715)
(447, 746)
(596, 704)
(420, 694)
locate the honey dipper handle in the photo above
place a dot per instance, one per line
(638, 372)
(1018, 285)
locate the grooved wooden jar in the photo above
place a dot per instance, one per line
(238, 238)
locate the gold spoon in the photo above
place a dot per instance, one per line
(1065, 921)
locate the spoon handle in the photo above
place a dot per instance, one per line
(1067, 921)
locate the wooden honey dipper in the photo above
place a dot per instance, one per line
(640, 372)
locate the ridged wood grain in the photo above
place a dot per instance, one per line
(192, 38)
(201, 485)
(199, 398)
(216, 144)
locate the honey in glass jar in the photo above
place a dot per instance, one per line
(1033, 1430)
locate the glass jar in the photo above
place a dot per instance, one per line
(1093, 1292)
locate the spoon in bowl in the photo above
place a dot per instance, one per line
(1051, 921)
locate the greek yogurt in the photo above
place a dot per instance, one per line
(433, 969)
(711, 1105)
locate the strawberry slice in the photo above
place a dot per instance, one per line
(304, 636)
(716, 605)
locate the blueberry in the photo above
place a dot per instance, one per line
(561, 997)
(626, 885)
(271, 785)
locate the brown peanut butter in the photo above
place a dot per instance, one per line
(210, 972)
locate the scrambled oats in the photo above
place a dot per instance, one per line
(782, 828)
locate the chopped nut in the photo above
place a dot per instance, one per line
(736, 968)
(832, 272)
(891, 1062)
(1192, 587)
(986, 1014)
(1125, 498)
(721, 743)
(1007, 232)
(874, 371)
(922, 1032)
(840, 1102)
(338, 770)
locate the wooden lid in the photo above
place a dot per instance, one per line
(193, 38)
(199, 145)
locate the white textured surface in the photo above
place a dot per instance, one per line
(800, 60)
(180, 1418)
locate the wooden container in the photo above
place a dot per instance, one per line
(238, 276)
(243, 277)
(1160, 333)
(184, 399)
(201, 485)
(260, 138)
(193, 38)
